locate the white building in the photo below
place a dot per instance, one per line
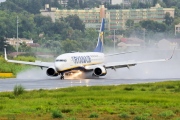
(114, 2)
(14, 41)
(177, 28)
(63, 2)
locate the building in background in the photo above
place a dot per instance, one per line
(177, 28)
(14, 42)
(91, 17)
(114, 2)
(144, 1)
(63, 3)
(105, 1)
(115, 19)
(129, 2)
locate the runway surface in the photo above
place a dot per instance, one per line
(31, 84)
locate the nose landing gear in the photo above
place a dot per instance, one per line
(62, 76)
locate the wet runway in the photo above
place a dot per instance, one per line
(31, 84)
(36, 78)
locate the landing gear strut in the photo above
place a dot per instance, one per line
(62, 76)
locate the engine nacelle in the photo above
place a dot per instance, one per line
(51, 71)
(100, 71)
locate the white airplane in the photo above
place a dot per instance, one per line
(83, 61)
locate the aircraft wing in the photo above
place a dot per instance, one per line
(114, 65)
(128, 64)
(38, 63)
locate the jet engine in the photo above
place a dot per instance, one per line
(51, 71)
(100, 71)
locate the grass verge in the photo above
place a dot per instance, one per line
(144, 101)
(10, 70)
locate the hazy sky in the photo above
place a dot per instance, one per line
(2, 0)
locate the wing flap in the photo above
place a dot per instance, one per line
(114, 65)
(107, 55)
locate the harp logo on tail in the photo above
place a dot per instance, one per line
(99, 47)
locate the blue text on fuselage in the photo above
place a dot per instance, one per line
(81, 59)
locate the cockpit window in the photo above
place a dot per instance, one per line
(61, 60)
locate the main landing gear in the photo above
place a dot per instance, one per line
(62, 76)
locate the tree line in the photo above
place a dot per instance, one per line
(53, 35)
(69, 34)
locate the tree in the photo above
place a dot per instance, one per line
(71, 45)
(10, 6)
(75, 22)
(155, 2)
(177, 11)
(91, 34)
(53, 45)
(3, 45)
(59, 26)
(87, 45)
(129, 23)
(34, 6)
(48, 44)
(134, 5)
(143, 5)
(72, 4)
(76, 35)
(24, 48)
(56, 4)
(92, 3)
(162, 4)
(151, 25)
(168, 19)
(170, 3)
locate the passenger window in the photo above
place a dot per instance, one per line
(61, 60)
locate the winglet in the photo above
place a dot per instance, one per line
(171, 55)
(5, 55)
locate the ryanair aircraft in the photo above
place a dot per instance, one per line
(83, 61)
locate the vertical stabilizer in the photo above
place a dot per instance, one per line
(99, 47)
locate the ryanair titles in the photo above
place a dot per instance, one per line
(81, 59)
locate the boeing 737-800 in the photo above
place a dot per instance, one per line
(83, 61)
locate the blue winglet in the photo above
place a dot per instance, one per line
(99, 47)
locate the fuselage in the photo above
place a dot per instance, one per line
(70, 61)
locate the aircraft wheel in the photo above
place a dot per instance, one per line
(62, 77)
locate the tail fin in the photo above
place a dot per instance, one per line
(99, 47)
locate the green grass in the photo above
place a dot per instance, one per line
(18, 89)
(6, 67)
(142, 101)
(25, 58)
